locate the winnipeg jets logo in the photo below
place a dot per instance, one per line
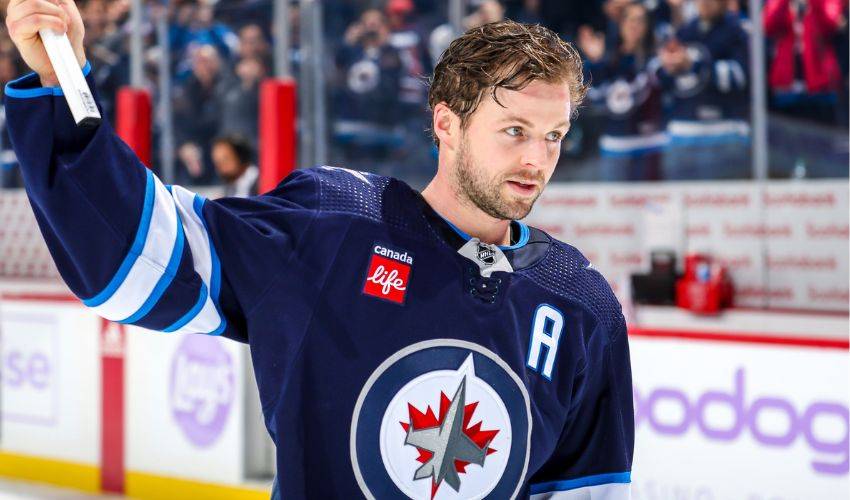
(447, 444)
(441, 419)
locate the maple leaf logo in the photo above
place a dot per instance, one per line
(447, 444)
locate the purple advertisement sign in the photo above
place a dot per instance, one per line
(830, 455)
(202, 388)
(29, 370)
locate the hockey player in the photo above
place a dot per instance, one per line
(424, 345)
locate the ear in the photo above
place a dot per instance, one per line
(446, 125)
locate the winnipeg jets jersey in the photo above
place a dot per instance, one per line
(395, 355)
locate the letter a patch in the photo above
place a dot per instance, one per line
(388, 274)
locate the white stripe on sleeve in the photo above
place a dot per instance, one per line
(208, 319)
(150, 265)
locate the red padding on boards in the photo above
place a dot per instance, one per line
(112, 343)
(741, 338)
(133, 121)
(278, 114)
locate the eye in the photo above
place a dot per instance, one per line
(554, 136)
(514, 131)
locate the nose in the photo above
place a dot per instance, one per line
(535, 153)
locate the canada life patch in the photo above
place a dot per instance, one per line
(388, 274)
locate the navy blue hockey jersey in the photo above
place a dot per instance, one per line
(395, 356)
(710, 102)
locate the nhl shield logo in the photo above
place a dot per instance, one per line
(486, 254)
(441, 419)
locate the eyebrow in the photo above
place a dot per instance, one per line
(527, 123)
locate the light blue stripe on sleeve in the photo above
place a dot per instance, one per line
(581, 482)
(11, 91)
(135, 249)
(166, 278)
(215, 278)
(186, 318)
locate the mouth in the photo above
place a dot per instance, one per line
(523, 188)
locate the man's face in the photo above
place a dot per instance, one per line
(251, 41)
(373, 21)
(205, 63)
(633, 26)
(491, 11)
(710, 9)
(226, 162)
(507, 154)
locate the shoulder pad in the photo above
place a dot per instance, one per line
(568, 274)
(350, 191)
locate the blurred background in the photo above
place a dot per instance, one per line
(706, 176)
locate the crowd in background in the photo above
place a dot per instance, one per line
(669, 97)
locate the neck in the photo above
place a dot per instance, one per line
(441, 194)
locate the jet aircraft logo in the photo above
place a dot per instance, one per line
(441, 419)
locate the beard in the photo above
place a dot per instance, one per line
(486, 193)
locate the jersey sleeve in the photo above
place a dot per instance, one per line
(133, 249)
(593, 457)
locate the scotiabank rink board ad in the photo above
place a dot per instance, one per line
(733, 421)
(785, 245)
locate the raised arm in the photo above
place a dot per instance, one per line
(132, 249)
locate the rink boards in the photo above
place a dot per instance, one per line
(721, 412)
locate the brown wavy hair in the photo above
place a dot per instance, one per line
(505, 54)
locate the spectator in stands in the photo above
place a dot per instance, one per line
(703, 73)
(106, 42)
(232, 156)
(237, 13)
(529, 12)
(566, 16)
(679, 13)
(95, 20)
(117, 12)
(253, 45)
(198, 114)
(805, 76)
(488, 11)
(367, 89)
(658, 13)
(193, 25)
(613, 10)
(405, 38)
(629, 96)
(241, 101)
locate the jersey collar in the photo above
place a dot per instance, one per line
(517, 227)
